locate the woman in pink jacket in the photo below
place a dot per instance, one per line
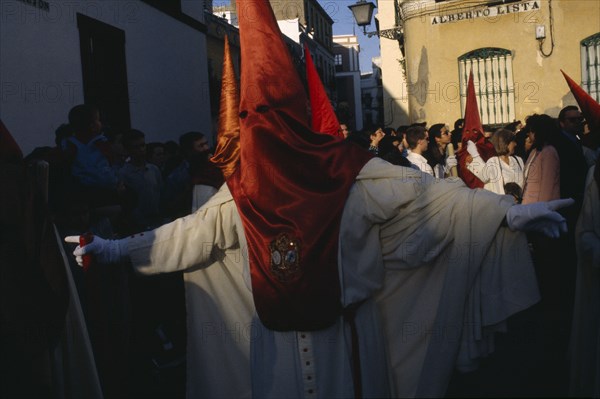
(542, 169)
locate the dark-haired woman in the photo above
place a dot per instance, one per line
(542, 169)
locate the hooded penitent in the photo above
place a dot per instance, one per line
(322, 113)
(589, 107)
(590, 110)
(291, 184)
(473, 131)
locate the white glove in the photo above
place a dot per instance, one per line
(451, 162)
(472, 149)
(104, 251)
(539, 217)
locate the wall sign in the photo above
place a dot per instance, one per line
(487, 12)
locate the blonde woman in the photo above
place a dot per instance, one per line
(502, 174)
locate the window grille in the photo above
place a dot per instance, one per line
(494, 85)
(590, 65)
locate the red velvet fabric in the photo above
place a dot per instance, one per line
(323, 116)
(288, 192)
(589, 107)
(291, 182)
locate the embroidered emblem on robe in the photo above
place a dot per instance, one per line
(285, 258)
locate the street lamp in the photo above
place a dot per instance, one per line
(363, 12)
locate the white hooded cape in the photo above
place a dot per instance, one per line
(428, 256)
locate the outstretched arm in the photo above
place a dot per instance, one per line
(540, 217)
(103, 251)
(179, 245)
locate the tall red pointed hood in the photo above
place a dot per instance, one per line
(323, 116)
(291, 186)
(227, 151)
(589, 107)
(473, 131)
(268, 76)
(10, 152)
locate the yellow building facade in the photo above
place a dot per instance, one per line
(516, 50)
(395, 98)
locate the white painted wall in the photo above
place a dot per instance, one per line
(369, 85)
(41, 77)
(168, 78)
(358, 107)
(395, 96)
(351, 43)
(290, 28)
(358, 113)
(230, 16)
(40, 71)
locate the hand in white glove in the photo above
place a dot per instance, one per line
(104, 251)
(539, 217)
(451, 162)
(472, 149)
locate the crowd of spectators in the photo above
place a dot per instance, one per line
(113, 183)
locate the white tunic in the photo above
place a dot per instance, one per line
(404, 241)
(585, 334)
(495, 173)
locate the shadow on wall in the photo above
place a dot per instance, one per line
(394, 115)
(422, 82)
(567, 99)
(395, 110)
(420, 88)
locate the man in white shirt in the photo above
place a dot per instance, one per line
(418, 139)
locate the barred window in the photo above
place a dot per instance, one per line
(494, 85)
(338, 59)
(590, 65)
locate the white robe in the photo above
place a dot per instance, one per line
(431, 254)
(585, 334)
